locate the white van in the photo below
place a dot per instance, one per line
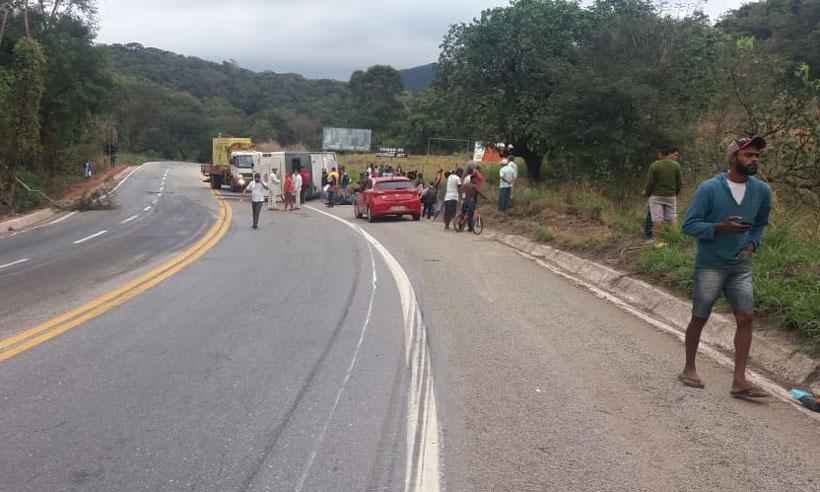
(285, 162)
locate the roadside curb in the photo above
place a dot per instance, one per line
(38, 217)
(781, 360)
(28, 220)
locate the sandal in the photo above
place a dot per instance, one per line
(690, 381)
(750, 392)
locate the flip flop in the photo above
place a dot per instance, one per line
(690, 381)
(750, 392)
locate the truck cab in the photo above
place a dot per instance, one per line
(243, 165)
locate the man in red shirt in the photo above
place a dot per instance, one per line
(306, 183)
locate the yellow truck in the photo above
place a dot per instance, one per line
(232, 163)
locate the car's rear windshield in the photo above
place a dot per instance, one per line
(395, 185)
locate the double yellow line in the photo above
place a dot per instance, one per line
(33, 337)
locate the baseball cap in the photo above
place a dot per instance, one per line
(741, 143)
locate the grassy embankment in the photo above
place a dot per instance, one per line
(583, 219)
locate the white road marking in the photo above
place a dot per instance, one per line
(353, 361)
(62, 219)
(18, 262)
(98, 234)
(146, 208)
(129, 219)
(159, 195)
(423, 436)
(776, 390)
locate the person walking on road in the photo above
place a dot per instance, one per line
(275, 186)
(451, 197)
(297, 188)
(257, 189)
(727, 215)
(506, 177)
(663, 185)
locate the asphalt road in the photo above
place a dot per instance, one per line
(160, 209)
(279, 361)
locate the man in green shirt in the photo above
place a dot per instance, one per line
(663, 186)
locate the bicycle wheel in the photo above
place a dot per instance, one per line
(478, 226)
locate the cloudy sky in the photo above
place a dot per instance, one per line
(316, 38)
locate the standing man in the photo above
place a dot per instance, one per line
(275, 186)
(506, 177)
(727, 215)
(288, 192)
(514, 166)
(307, 184)
(332, 184)
(257, 189)
(451, 197)
(663, 185)
(297, 188)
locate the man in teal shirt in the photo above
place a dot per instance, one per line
(727, 216)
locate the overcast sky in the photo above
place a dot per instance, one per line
(316, 38)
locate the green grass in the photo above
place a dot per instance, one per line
(786, 276)
(786, 269)
(544, 235)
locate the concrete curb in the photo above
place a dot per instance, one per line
(780, 359)
(27, 220)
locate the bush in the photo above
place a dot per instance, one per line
(544, 235)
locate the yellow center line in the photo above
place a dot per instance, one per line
(35, 336)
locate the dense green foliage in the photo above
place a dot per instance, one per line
(594, 91)
(56, 85)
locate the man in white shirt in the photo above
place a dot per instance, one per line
(514, 166)
(452, 196)
(257, 189)
(275, 186)
(297, 188)
(506, 177)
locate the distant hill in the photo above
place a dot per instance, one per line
(418, 78)
(250, 91)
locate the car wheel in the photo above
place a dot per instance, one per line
(417, 218)
(370, 217)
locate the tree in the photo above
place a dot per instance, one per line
(24, 98)
(375, 98)
(499, 72)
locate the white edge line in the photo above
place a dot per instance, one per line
(62, 219)
(126, 179)
(129, 219)
(146, 208)
(98, 234)
(776, 390)
(422, 409)
(13, 263)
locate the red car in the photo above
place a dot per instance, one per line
(381, 197)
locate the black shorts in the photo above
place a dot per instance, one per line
(450, 207)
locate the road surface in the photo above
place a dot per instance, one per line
(286, 358)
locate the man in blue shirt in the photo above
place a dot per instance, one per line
(727, 216)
